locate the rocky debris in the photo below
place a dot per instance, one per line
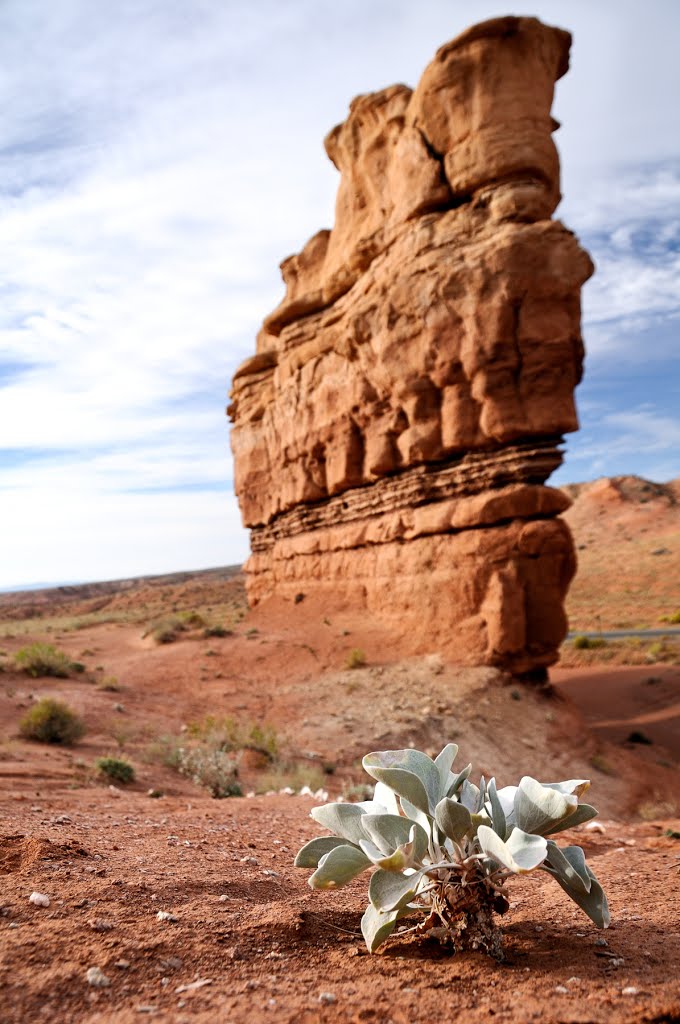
(395, 428)
(39, 899)
(96, 977)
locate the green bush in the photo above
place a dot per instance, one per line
(115, 768)
(588, 643)
(51, 721)
(43, 660)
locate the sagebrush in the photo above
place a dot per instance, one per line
(52, 721)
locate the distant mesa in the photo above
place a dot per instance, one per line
(395, 427)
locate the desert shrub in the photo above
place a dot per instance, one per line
(588, 643)
(356, 658)
(51, 721)
(290, 777)
(217, 631)
(43, 660)
(115, 768)
(443, 849)
(169, 628)
(109, 684)
(166, 630)
(214, 770)
(674, 619)
(231, 735)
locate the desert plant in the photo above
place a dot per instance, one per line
(230, 735)
(43, 660)
(109, 684)
(588, 643)
(441, 846)
(51, 721)
(115, 768)
(212, 769)
(218, 631)
(355, 659)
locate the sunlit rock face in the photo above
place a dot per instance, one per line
(394, 430)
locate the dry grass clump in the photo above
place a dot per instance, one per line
(52, 721)
(44, 660)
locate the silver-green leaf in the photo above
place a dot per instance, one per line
(569, 864)
(343, 820)
(338, 867)
(539, 809)
(593, 903)
(410, 773)
(584, 812)
(388, 890)
(453, 819)
(520, 854)
(376, 925)
(497, 812)
(312, 852)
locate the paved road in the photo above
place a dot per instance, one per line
(616, 634)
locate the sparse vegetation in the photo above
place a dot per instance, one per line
(51, 721)
(109, 684)
(600, 763)
(214, 770)
(356, 658)
(116, 769)
(630, 650)
(290, 777)
(211, 751)
(588, 643)
(217, 631)
(43, 660)
(231, 735)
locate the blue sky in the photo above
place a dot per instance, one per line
(159, 158)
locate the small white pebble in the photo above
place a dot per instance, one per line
(595, 826)
(573, 981)
(39, 899)
(122, 965)
(629, 990)
(192, 986)
(561, 989)
(224, 898)
(97, 978)
(326, 998)
(164, 915)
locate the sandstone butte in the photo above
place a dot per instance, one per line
(394, 431)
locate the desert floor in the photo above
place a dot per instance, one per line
(248, 940)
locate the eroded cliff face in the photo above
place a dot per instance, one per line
(395, 428)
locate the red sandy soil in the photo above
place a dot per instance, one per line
(268, 948)
(109, 859)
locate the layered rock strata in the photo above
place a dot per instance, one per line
(394, 430)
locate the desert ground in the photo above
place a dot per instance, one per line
(174, 676)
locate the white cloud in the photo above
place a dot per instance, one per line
(157, 161)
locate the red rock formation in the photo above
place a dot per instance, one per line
(393, 433)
